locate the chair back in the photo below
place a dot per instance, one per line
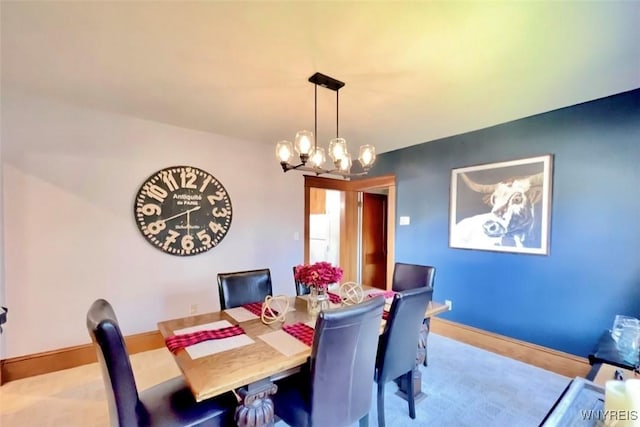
(243, 287)
(399, 341)
(301, 289)
(411, 276)
(125, 407)
(343, 363)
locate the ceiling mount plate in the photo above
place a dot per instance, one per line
(326, 81)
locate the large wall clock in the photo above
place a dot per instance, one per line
(183, 210)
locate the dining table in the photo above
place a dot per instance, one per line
(250, 362)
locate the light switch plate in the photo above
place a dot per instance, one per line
(405, 220)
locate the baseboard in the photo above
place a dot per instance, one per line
(69, 357)
(552, 360)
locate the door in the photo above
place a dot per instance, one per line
(374, 240)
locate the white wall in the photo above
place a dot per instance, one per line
(70, 176)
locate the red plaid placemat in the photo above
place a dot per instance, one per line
(334, 298)
(256, 308)
(300, 331)
(385, 294)
(178, 342)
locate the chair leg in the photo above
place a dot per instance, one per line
(411, 397)
(426, 352)
(381, 404)
(364, 421)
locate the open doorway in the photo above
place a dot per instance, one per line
(374, 238)
(352, 222)
(324, 226)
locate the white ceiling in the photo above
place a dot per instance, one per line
(414, 72)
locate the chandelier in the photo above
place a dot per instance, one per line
(312, 157)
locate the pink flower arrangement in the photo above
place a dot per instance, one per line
(320, 274)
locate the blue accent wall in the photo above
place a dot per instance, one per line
(566, 299)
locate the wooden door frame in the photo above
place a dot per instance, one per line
(348, 213)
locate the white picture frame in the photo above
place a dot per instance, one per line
(503, 206)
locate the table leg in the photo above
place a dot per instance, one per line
(403, 386)
(256, 406)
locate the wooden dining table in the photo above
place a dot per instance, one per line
(249, 370)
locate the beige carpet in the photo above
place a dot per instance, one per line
(470, 387)
(75, 397)
(466, 386)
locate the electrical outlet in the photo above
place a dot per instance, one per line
(193, 309)
(448, 304)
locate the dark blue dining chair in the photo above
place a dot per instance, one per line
(301, 288)
(398, 342)
(244, 287)
(411, 276)
(334, 388)
(168, 404)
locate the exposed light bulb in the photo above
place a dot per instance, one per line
(367, 155)
(337, 149)
(317, 157)
(304, 142)
(284, 151)
(344, 164)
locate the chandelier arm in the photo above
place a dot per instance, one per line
(319, 171)
(286, 167)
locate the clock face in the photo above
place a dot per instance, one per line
(183, 210)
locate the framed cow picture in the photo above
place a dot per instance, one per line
(503, 206)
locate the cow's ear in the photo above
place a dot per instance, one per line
(487, 199)
(535, 194)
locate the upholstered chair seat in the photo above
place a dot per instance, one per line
(171, 403)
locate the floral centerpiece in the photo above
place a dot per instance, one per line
(317, 277)
(320, 274)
